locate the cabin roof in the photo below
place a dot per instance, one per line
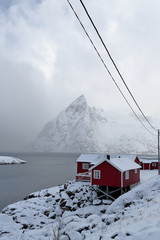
(119, 163)
(94, 158)
(124, 156)
(124, 164)
(91, 158)
(145, 160)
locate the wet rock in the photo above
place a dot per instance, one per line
(62, 203)
(47, 195)
(128, 204)
(25, 226)
(46, 213)
(29, 196)
(70, 194)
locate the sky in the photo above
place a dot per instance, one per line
(46, 61)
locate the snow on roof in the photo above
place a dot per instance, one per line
(91, 158)
(149, 161)
(94, 158)
(124, 156)
(124, 164)
(145, 160)
(121, 164)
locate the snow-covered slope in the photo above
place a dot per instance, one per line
(73, 212)
(81, 128)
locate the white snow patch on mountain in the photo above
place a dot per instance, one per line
(81, 128)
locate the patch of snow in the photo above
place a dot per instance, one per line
(91, 158)
(124, 164)
(10, 160)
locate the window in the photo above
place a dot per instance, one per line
(85, 166)
(135, 170)
(153, 164)
(127, 175)
(97, 174)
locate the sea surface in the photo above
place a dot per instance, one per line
(42, 170)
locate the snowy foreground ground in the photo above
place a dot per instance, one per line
(71, 212)
(10, 160)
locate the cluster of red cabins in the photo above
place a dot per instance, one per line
(112, 173)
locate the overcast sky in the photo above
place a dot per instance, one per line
(46, 61)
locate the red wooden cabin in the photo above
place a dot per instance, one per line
(149, 164)
(120, 170)
(115, 172)
(85, 161)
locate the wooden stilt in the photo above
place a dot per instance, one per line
(104, 193)
(107, 192)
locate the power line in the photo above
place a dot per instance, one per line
(107, 67)
(116, 65)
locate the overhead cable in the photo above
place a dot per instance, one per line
(116, 65)
(107, 67)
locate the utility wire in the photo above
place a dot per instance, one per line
(107, 67)
(116, 65)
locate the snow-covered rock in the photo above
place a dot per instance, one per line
(70, 212)
(10, 160)
(81, 128)
(40, 215)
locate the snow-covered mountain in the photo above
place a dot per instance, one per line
(81, 128)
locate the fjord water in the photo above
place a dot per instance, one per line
(42, 170)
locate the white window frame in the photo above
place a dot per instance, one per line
(126, 175)
(97, 174)
(85, 165)
(135, 170)
(154, 164)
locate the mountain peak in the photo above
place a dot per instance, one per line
(80, 104)
(81, 100)
(81, 128)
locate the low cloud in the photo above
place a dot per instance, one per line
(47, 61)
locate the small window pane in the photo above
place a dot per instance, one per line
(127, 175)
(85, 166)
(97, 174)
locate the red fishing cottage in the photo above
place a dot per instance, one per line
(149, 163)
(109, 173)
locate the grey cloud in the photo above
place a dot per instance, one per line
(22, 102)
(47, 61)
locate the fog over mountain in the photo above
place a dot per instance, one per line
(47, 61)
(81, 128)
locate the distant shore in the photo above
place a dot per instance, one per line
(10, 160)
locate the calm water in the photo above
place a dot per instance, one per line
(43, 170)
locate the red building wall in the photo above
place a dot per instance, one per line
(80, 168)
(133, 178)
(156, 165)
(110, 176)
(146, 166)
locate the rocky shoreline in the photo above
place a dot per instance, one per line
(50, 209)
(73, 212)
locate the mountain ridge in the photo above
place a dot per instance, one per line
(81, 128)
